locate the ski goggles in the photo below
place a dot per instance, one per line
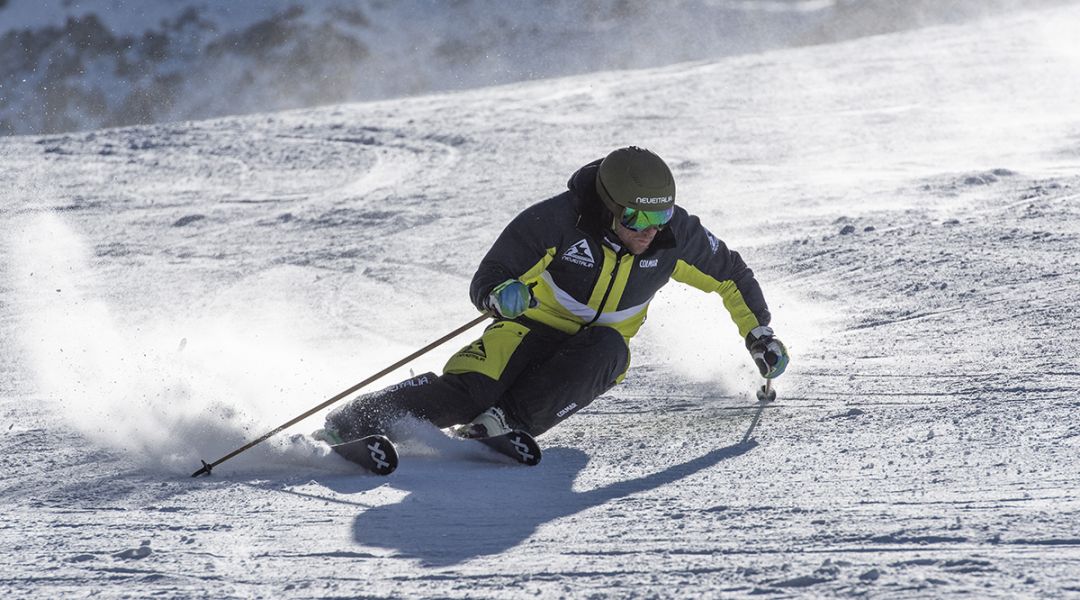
(640, 220)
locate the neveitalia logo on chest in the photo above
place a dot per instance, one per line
(580, 254)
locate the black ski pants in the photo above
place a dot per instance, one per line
(536, 374)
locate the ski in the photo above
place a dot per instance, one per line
(376, 453)
(518, 445)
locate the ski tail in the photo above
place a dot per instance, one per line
(517, 445)
(376, 453)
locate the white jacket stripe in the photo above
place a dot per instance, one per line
(584, 312)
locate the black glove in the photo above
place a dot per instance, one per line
(769, 353)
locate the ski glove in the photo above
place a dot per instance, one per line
(510, 299)
(769, 353)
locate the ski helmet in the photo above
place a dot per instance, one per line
(635, 178)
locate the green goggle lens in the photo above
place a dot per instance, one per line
(640, 220)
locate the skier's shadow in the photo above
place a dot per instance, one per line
(453, 515)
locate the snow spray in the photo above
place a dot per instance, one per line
(162, 387)
(692, 334)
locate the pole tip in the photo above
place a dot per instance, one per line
(205, 470)
(766, 393)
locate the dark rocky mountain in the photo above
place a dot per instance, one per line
(68, 65)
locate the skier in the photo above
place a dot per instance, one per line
(569, 282)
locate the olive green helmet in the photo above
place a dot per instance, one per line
(636, 178)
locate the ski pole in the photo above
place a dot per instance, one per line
(765, 395)
(207, 467)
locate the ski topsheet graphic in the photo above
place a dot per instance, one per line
(518, 445)
(375, 453)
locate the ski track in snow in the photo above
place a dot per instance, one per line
(909, 202)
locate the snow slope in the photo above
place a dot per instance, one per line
(909, 203)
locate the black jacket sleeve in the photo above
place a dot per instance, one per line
(523, 248)
(708, 264)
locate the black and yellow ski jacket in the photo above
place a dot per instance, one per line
(583, 276)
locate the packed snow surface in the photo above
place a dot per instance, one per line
(909, 202)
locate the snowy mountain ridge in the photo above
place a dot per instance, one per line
(101, 63)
